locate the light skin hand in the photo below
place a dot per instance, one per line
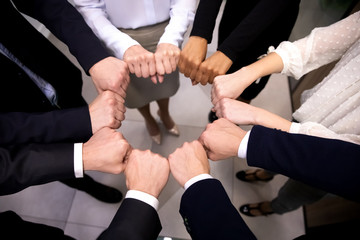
(236, 111)
(216, 64)
(106, 151)
(141, 62)
(245, 114)
(166, 58)
(188, 161)
(232, 85)
(110, 74)
(192, 56)
(147, 172)
(107, 110)
(221, 139)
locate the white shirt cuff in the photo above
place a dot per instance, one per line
(243, 145)
(195, 179)
(78, 162)
(144, 197)
(295, 127)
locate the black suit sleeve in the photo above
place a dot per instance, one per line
(329, 164)
(209, 214)
(68, 125)
(135, 220)
(205, 19)
(66, 23)
(250, 20)
(26, 165)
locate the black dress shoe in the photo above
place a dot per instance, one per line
(99, 191)
(251, 177)
(212, 117)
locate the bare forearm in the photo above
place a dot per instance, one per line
(272, 63)
(271, 120)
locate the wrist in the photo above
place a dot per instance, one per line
(198, 40)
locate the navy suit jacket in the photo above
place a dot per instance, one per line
(209, 214)
(331, 165)
(39, 148)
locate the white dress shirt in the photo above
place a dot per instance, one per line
(106, 16)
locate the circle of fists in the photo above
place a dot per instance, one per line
(144, 63)
(108, 151)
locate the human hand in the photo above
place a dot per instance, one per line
(107, 110)
(231, 85)
(236, 111)
(188, 161)
(192, 55)
(221, 139)
(147, 172)
(216, 64)
(110, 74)
(106, 151)
(141, 62)
(166, 58)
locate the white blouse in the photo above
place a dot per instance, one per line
(333, 105)
(106, 16)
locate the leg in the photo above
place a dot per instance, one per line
(151, 125)
(14, 227)
(97, 190)
(293, 195)
(165, 116)
(150, 122)
(255, 175)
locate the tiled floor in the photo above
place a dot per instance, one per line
(84, 218)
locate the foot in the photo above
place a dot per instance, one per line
(252, 176)
(212, 117)
(99, 191)
(256, 209)
(153, 130)
(169, 123)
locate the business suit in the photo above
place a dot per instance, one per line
(39, 148)
(68, 125)
(134, 220)
(40, 56)
(209, 214)
(205, 207)
(331, 165)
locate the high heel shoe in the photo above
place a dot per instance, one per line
(174, 130)
(156, 138)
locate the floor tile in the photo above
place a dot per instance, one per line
(171, 220)
(49, 222)
(48, 201)
(89, 211)
(83, 232)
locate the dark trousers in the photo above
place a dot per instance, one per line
(14, 227)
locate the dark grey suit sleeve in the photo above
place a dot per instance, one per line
(66, 23)
(209, 214)
(329, 164)
(68, 125)
(26, 165)
(135, 220)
